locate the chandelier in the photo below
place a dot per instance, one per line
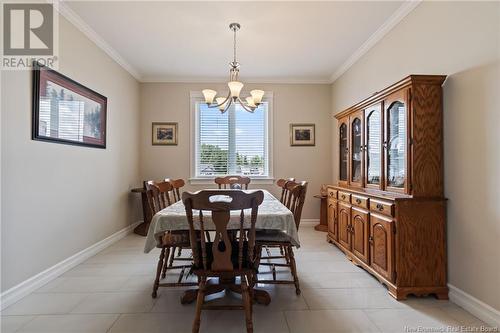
(235, 86)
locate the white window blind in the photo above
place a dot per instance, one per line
(234, 143)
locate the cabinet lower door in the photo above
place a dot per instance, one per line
(332, 220)
(360, 232)
(382, 245)
(344, 225)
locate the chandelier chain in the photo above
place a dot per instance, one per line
(234, 46)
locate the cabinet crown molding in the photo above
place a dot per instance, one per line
(406, 82)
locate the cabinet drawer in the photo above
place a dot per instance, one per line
(344, 196)
(359, 201)
(332, 194)
(383, 207)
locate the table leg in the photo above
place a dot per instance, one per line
(190, 295)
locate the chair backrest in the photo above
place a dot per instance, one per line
(176, 185)
(158, 195)
(284, 191)
(233, 181)
(220, 203)
(296, 197)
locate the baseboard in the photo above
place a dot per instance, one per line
(309, 221)
(478, 308)
(24, 288)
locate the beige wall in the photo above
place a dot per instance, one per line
(461, 40)
(293, 103)
(57, 199)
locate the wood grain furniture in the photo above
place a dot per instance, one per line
(283, 199)
(142, 229)
(175, 195)
(177, 184)
(158, 198)
(323, 219)
(267, 240)
(234, 182)
(284, 191)
(223, 259)
(388, 211)
(273, 215)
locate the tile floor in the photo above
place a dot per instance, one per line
(111, 293)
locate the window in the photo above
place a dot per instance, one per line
(236, 142)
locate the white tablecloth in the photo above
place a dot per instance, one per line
(272, 215)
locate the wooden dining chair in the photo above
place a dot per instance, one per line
(158, 197)
(234, 182)
(284, 195)
(284, 191)
(177, 184)
(175, 195)
(223, 259)
(266, 239)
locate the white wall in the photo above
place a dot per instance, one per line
(293, 103)
(59, 199)
(461, 40)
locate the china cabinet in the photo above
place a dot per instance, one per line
(387, 212)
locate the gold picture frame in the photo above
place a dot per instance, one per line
(164, 134)
(302, 134)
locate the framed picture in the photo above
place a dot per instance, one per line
(164, 134)
(64, 111)
(302, 135)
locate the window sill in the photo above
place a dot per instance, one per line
(210, 181)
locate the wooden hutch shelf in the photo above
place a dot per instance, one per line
(388, 212)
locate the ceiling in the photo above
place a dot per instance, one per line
(278, 41)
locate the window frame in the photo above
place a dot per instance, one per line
(197, 96)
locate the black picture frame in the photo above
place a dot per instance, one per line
(41, 76)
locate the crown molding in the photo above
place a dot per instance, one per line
(389, 24)
(173, 79)
(78, 22)
(380, 33)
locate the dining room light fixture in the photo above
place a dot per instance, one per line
(235, 86)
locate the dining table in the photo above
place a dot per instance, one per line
(272, 216)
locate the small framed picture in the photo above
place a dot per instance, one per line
(302, 135)
(164, 134)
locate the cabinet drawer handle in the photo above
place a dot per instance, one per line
(358, 201)
(370, 239)
(343, 196)
(331, 194)
(380, 207)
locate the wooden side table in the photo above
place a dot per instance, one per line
(142, 229)
(323, 223)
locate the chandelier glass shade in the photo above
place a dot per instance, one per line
(235, 86)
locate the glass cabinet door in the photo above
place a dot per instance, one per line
(374, 145)
(344, 152)
(396, 144)
(356, 149)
